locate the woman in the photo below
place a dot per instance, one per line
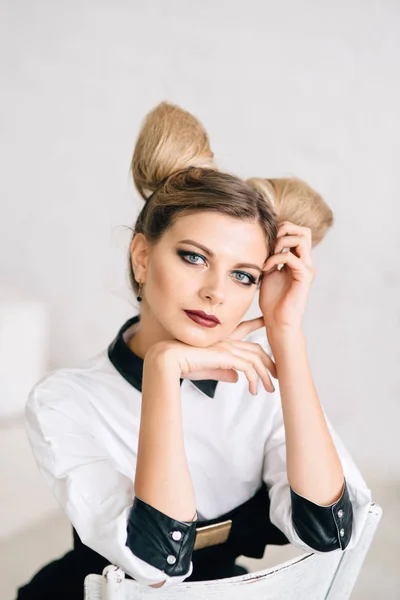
(178, 425)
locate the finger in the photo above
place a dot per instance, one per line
(288, 228)
(246, 327)
(227, 375)
(256, 363)
(252, 379)
(258, 350)
(297, 242)
(246, 367)
(298, 267)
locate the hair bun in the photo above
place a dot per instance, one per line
(170, 139)
(294, 200)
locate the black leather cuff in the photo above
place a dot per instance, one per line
(323, 528)
(157, 539)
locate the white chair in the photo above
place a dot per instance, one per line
(330, 575)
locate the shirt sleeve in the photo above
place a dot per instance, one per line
(308, 525)
(97, 497)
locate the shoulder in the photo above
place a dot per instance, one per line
(68, 389)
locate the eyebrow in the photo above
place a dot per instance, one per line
(211, 253)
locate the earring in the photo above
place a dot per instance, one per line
(139, 297)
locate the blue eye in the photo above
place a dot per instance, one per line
(251, 279)
(184, 254)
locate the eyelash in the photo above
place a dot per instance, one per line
(184, 253)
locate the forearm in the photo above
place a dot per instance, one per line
(314, 469)
(162, 474)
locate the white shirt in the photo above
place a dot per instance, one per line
(83, 425)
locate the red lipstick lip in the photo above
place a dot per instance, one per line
(204, 315)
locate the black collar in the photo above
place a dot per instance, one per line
(130, 365)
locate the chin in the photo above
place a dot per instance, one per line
(181, 328)
(198, 336)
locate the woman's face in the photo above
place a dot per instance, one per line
(220, 278)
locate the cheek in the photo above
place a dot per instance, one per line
(165, 281)
(158, 280)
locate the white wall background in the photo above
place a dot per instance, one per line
(306, 88)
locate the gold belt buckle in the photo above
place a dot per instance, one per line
(211, 535)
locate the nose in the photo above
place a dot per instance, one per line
(214, 291)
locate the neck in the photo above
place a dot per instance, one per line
(148, 331)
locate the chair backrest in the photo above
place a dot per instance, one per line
(329, 576)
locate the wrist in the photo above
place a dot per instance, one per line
(283, 337)
(161, 357)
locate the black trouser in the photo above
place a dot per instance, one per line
(251, 531)
(63, 579)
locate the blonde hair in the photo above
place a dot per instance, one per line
(171, 139)
(294, 200)
(174, 171)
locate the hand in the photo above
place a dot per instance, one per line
(283, 294)
(222, 360)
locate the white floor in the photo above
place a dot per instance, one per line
(23, 554)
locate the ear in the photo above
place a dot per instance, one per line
(140, 253)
